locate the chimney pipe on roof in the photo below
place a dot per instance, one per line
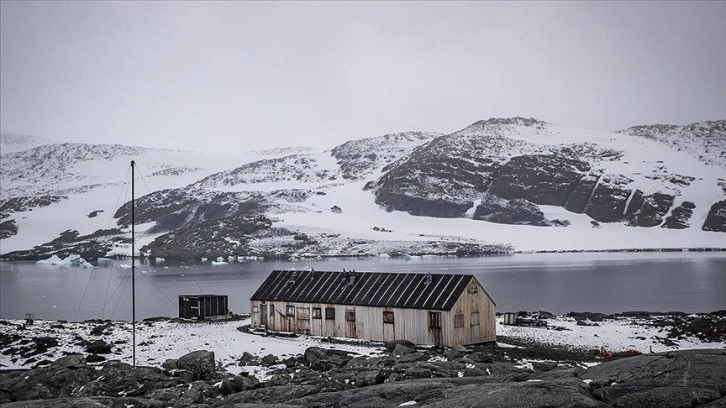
(428, 278)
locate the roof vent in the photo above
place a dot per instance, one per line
(428, 278)
(351, 277)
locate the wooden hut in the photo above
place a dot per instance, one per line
(203, 306)
(440, 309)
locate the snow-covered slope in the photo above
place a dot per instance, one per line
(704, 140)
(524, 182)
(10, 143)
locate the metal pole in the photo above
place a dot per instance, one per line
(133, 273)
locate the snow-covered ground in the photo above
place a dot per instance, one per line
(160, 340)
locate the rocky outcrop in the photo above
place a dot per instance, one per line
(91, 246)
(516, 211)
(359, 158)
(716, 219)
(609, 198)
(680, 216)
(648, 211)
(461, 376)
(675, 379)
(541, 179)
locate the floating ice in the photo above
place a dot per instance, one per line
(215, 263)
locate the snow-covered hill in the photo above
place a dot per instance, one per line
(498, 182)
(704, 140)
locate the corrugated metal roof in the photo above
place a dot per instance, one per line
(407, 290)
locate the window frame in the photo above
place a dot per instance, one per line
(459, 321)
(350, 315)
(434, 320)
(389, 317)
(474, 321)
(317, 313)
(330, 313)
(290, 311)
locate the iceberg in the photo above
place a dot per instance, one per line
(53, 260)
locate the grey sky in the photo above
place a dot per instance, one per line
(245, 75)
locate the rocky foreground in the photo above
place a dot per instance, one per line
(402, 376)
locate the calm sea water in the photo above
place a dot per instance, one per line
(559, 283)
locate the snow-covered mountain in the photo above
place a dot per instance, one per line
(496, 185)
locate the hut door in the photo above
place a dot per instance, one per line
(263, 315)
(435, 328)
(350, 323)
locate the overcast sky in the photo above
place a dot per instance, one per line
(245, 75)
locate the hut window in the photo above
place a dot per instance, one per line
(329, 313)
(317, 313)
(290, 311)
(474, 318)
(255, 309)
(349, 315)
(272, 310)
(388, 317)
(303, 313)
(473, 288)
(459, 320)
(434, 320)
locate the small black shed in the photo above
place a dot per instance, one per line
(202, 306)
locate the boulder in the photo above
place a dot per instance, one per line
(400, 350)
(337, 358)
(71, 361)
(201, 363)
(269, 360)
(390, 345)
(98, 347)
(170, 364)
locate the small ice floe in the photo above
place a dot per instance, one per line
(204, 259)
(231, 259)
(308, 269)
(219, 263)
(53, 260)
(384, 255)
(219, 259)
(125, 266)
(159, 259)
(241, 259)
(407, 403)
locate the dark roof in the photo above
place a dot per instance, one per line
(407, 290)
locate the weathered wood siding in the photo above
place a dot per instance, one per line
(408, 324)
(474, 299)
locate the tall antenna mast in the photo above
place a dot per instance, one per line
(133, 272)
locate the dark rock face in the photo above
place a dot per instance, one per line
(716, 218)
(8, 228)
(91, 246)
(608, 201)
(651, 209)
(580, 197)
(18, 204)
(207, 238)
(517, 211)
(541, 179)
(680, 216)
(443, 177)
